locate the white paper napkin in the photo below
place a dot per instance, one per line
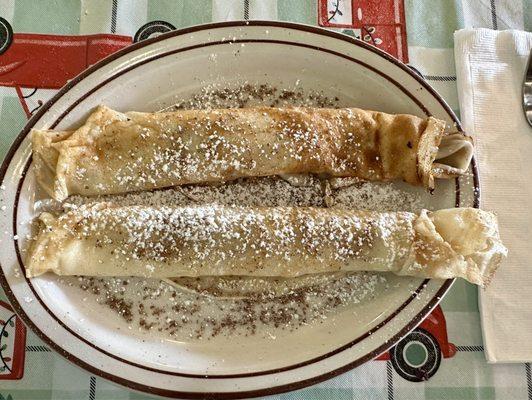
(490, 69)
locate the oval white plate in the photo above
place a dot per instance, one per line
(154, 74)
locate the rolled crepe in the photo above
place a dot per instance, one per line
(108, 240)
(117, 153)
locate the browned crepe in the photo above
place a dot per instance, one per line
(162, 242)
(117, 153)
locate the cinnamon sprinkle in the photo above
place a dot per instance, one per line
(206, 307)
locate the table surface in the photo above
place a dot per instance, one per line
(422, 35)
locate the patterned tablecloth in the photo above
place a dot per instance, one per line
(419, 32)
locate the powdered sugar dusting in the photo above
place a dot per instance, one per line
(200, 308)
(214, 240)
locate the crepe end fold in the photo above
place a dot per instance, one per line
(43, 251)
(45, 157)
(454, 155)
(54, 151)
(441, 154)
(54, 240)
(454, 243)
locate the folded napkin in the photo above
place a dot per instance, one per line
(490, 68)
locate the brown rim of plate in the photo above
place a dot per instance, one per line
(306, 28)
(217, 376)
